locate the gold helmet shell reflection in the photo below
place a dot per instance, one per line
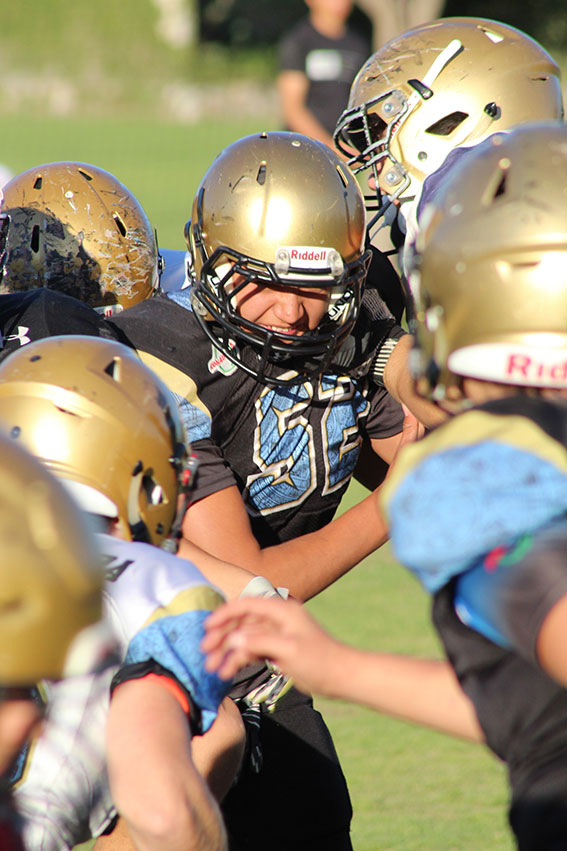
(50, 575)
(73, 227)
(103, 422)
(444, 84)
(490, 281)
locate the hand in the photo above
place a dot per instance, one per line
(412, 428)
(251, 629)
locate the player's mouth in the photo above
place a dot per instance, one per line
(291, 331)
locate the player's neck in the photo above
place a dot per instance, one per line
(328, 25)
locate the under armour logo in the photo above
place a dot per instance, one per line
(21, 336)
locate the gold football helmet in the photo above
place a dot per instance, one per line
(51, 576)
(490, 281)
(103, 422)
(282, 210)
(449, 83)
(75, 228)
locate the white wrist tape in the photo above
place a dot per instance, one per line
(259, 586)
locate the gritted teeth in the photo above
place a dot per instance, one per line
(281, 330)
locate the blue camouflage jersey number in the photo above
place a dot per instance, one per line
(295, 428)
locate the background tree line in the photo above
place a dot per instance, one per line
(253, 23)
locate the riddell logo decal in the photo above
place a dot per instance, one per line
(526, 367)
(308, 256)
(220, 363)
(311, 255)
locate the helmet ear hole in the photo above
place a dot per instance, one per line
(261, 176)
(152, 489)
(446, 125)
(113, 369)
(120, 224)
(497, 184)
(34, 242)
(501, 188)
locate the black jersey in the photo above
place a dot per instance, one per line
(383, 278)
(290, 450)
(523, 715)
(35, 314)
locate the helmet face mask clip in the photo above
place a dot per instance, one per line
(369, 129)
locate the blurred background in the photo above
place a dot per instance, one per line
(152, 90)
(184, 60)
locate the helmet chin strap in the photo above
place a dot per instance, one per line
(171, 542)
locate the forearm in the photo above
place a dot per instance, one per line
(293, 88)
(308, 564)
(154, 783)
(400, 384)
(230, 578)
(423, 691)
(218, 754)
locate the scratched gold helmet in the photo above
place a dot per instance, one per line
(75, 228)
(105, 424)
(282, 210)
(50, 576)
(444, 84)
(490, 273)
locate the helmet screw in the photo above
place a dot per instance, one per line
(422, 155)
(392, 177)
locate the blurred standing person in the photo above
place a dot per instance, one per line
(318, 60)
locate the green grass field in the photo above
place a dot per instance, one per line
(412, 789)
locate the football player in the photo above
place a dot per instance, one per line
(109, 429)
(50, 603)
(491, 298)
(74, 228)
(429, 94)
(417, 106)
(253, 351)
(478, 509)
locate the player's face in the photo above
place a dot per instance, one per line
(287, 310)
